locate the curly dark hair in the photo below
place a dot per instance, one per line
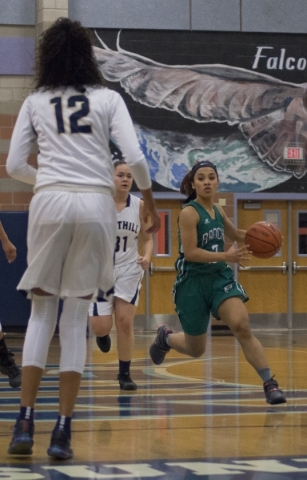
(65, 57)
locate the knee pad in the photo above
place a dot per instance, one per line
(73, 323)
(40, 330)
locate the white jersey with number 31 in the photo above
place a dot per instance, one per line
(128, 228)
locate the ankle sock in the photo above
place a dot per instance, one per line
(265, 374)
(124, 367)
(64, 423)
(26, 413)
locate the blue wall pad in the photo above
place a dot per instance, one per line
(14, 306)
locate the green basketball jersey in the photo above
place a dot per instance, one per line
(210, 236)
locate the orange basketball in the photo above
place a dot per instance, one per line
(264, 239)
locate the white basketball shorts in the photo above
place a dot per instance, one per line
(71, 238)
(128, 282)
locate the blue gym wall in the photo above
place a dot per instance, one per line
(14, 306)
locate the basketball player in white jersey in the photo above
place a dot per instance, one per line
(129, 271)
(7, 362)
(72, 217)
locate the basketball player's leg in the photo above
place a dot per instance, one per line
(90, 252)
(234, 314)
(124, 322)
(192, 345)
(72, 327)
(194, 315)
(228, 305)
(7, 363)
(128, 280)
(124, 313)
(101, 325)
(101, 322)
(182, 342)
(40, 329)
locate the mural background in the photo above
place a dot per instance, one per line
(172, 143)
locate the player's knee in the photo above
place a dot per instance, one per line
(101, 325)
(242, 329)
(197, 351)
(125, 324)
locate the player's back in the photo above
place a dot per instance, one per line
(73, 136)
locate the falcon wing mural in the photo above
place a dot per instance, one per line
(269, 112)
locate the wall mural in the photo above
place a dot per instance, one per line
(234, 99)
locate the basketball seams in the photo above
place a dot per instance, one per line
(273, 230)
(264, 239)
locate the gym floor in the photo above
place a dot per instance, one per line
(203, 418)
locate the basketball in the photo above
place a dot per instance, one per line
(264, 239)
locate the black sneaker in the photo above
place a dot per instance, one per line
(8, 367)
(22, 441)
(159, 348)
(273, 394)
(104, 343)
(60, 445)
(125, 382)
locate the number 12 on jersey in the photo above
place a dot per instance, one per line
(74, 117)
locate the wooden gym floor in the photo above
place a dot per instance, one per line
(189, 419)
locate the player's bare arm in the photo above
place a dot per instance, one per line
(147, 241)
(149, 210)
(8, 248)
(188, 221)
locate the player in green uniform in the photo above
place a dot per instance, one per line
(205, 283)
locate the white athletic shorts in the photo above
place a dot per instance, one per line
(71, 238)
(128, 282)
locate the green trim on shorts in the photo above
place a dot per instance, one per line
(197, 297)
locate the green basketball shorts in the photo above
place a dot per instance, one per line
(197, 297)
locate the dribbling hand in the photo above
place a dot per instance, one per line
(238, 255)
